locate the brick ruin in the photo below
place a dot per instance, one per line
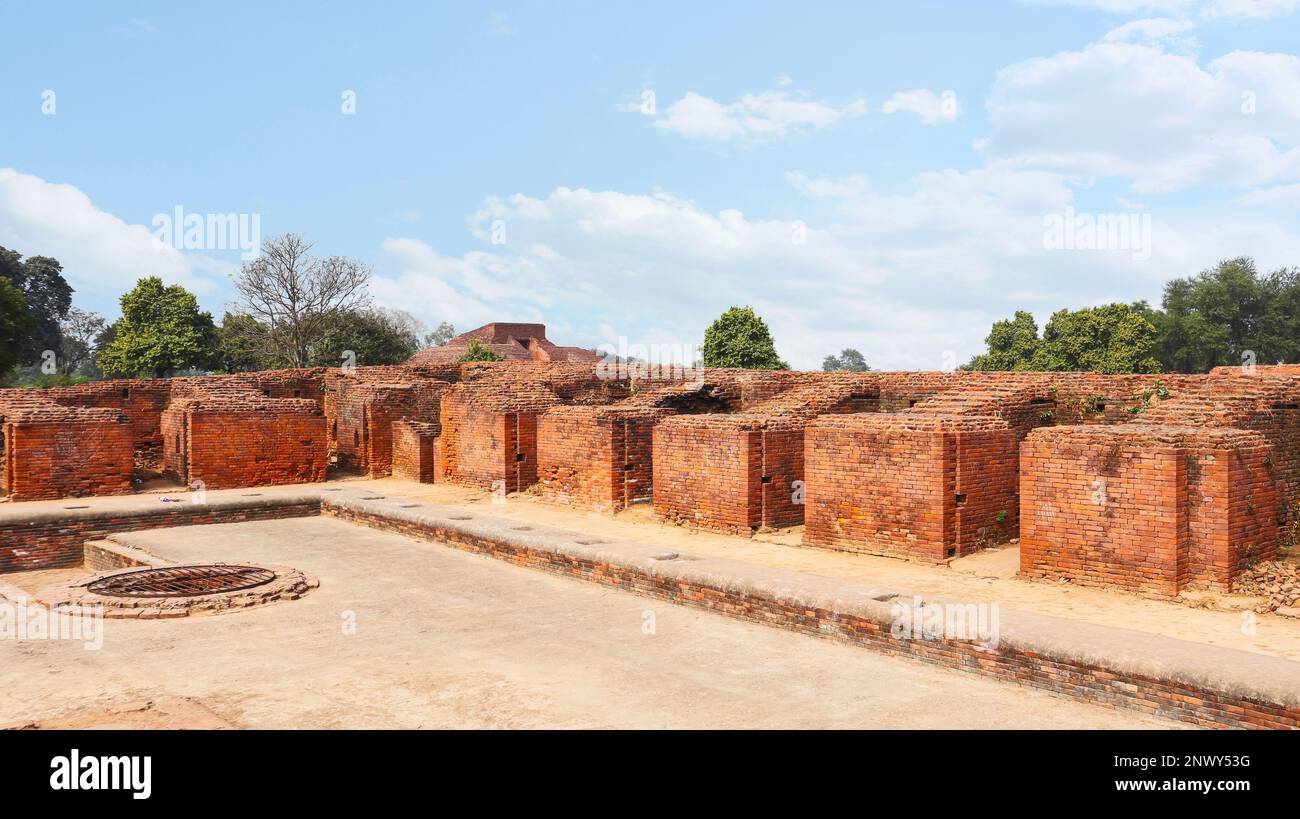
(1150, 483)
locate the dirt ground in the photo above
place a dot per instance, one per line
(984, 577)
(404, 633)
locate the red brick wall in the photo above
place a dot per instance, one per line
(878, 487)
(704, 472)
(1232, 498)
(67, 458)
(225, 447)
(986, 493)
(483, 446)
(912, 485)
(1103, 509)
(361, 416)
(781, 465)
(55, 542)
(578, 458)
(140, 400)
(595, 458)
(1150, 509)
(174, 431)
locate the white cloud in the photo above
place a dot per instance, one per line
(1121, 7)
(904, 277)
(1206, 9)
(1250, 9)
(753, 118)
(827, 188)
(1282, 196)
(102, 255)
(1155, 31)
(1120, 109)
(932, 108)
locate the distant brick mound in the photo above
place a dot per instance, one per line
(516, 342)
(1151, 483)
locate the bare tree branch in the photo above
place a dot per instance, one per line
(294, 293)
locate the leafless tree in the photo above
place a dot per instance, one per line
(80, 329)
(294, 293)
(403, 322)
(440, 335)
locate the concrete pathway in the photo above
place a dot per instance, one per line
(404, 633)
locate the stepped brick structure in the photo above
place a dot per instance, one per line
(1149, 483)
(516, 342)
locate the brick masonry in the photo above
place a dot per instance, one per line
(415, 448)
(1212, 687)
(245, 441)
(926, 466)
(57, 539)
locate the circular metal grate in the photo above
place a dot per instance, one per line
(182, 581)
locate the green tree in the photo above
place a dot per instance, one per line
(15, 324)
(161, 331)
(739, 338)
(370, 336)
(242, 345)
(476, 351)
(1114, 338)
(1012, 345)
(48, 296)
(849, 360)
(1227, 314)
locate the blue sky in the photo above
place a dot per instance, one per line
(874, 175)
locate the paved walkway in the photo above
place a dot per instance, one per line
(448, 639)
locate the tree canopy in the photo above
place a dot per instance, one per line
(161, 331)
(371, 336)
(1227, 314)
(1113, 338)
(48, 297)
(241, 345)
(440, 335)
(739, 338)
(849, 360)
(297, 295)
(15, 324)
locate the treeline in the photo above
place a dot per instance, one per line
(1228, 315)
(295, 310)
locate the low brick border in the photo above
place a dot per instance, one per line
(1194, 683)
(56, 538)
(1190, 682)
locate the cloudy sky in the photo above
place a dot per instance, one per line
(881, 176)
